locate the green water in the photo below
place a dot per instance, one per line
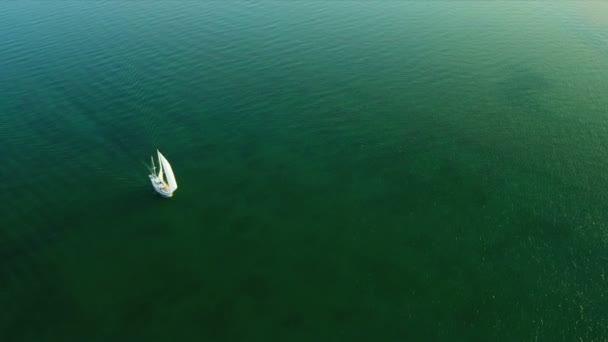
(350, 170)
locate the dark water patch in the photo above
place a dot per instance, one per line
(524, 87)
(293, 321)
(257, 287)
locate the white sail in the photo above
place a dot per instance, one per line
(160, 169)
(168, 172)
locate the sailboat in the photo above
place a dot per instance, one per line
(164, 187)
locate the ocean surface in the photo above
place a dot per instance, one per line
(348, 171)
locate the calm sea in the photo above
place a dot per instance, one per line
(348, 171)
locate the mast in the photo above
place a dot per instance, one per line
(153, 166)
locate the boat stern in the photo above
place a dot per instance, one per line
(160, 187)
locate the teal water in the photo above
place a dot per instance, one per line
(373, 171)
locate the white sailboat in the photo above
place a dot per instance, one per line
(164, 187)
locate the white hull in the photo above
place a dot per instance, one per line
(160, 186)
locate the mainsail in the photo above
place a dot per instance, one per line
(168, 172)
(160, 169)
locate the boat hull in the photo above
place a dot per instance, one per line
(160, 187)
